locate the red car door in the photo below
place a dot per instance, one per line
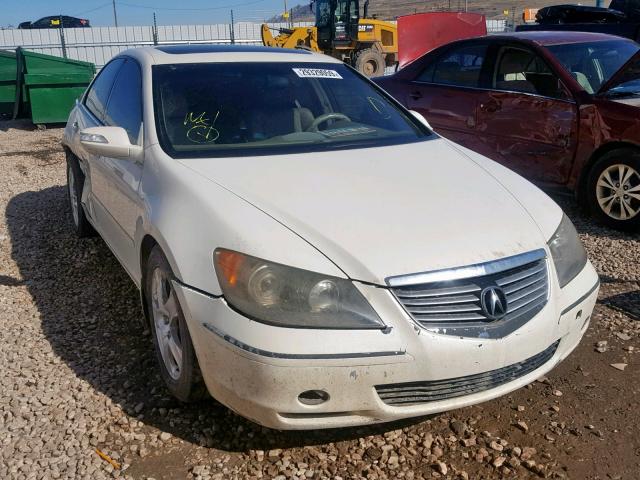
(527, 119)
(446, 92)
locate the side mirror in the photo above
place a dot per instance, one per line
(421, 119)
(109, 142)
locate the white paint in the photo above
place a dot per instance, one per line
(363, 214)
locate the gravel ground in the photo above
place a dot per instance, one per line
(78, 374)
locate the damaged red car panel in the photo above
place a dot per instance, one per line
(547, 104)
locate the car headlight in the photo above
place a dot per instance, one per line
(291, 297)
(567, 252)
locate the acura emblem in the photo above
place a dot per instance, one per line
(493, 302)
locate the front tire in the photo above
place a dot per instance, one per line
(174, 350)
(75, 184)
(370, 62)
(613, 189)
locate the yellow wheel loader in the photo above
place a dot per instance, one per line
(367, 44)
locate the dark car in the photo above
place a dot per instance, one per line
(560, 108)
(621, 18)
(57, 21)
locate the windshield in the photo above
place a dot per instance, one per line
(592, 64)
(221, 109)
(323, 13)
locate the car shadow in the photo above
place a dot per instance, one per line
(90, 312)
(24, 124)
(584, 222)
(627, 303)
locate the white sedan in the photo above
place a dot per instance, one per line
(309, 251)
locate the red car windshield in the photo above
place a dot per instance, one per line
(592, 64)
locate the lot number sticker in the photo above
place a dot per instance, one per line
(316, 73)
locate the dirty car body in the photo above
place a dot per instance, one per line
(545, 104)
(335, 262)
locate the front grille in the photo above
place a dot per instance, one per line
(432, 391)
(454, 306)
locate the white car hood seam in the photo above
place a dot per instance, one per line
(272, 217)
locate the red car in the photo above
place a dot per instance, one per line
(560, 108)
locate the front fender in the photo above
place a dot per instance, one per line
(190, 216)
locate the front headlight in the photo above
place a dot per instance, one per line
(290, 297)
(567, 252)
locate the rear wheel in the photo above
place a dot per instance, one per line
(613, 189)
(174, 349)
(370, 62)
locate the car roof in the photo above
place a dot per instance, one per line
(548, 37)
(207, 48)
(206, 53)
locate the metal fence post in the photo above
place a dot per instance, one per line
(63, 43)
(154, 30)
(115, 15)
(233, 36)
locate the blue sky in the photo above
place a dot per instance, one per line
(140, 12)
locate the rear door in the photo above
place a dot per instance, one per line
(46, 22)
(447, 90)
(527, 120)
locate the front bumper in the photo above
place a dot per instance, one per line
(259, 371)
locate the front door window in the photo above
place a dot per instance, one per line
(521, 70)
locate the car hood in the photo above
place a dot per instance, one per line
(629, 71)
(382, 212)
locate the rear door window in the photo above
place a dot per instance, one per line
(45, 22)
(461, 67)
(98, 94)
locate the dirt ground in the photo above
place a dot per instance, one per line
(78, 373)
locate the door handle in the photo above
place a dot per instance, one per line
(490, 107)
(415, 95)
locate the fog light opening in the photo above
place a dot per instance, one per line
(313, 397)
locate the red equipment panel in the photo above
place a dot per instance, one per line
(422, 32)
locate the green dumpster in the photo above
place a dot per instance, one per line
(8, 84)
(52, 84)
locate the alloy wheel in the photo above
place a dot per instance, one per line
(166, 323)
(618, 191)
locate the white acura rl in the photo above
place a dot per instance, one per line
(310, 251)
